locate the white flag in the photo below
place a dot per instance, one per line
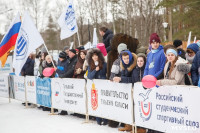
(189, 39)
(67, 22)
(28, 40)
(95, 40)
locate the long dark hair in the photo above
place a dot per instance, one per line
(92, 65)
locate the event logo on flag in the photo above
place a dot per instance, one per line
(94, 97)
(145, 107)
(67, 22)
(70, 18)
(28, 40)
(9, 40)
(22, 46)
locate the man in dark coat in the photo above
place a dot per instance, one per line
(70, 64)
(28, 67)
(107, 37)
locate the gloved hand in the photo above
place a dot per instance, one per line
(60, 68)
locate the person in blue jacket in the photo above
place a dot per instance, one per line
(96, 70)
(195, 70)
(62, 64)
(156, 58)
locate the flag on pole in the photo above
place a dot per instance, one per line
(9, 40)
(195, 38)
(28, 40)
(189, 38)
(67, 22)
(95, 40)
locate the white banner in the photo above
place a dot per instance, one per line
(171, 109)
(110, 100)
(8, 66)
(19, 88)
(4, 86)
(69, 94)
(31, 89)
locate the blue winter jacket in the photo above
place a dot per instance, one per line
(194, 69)
(101, 74)
(62, 64)
(155, 63)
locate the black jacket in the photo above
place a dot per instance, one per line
(107, 39)
(138, 73)
(62, 64)
(69, 72)
(181, 53)
(127, 72)
(28, 68)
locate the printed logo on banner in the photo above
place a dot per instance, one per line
(70, 18)
(30, 83)
(57, 92)
(145, 107)
(22, 46)
(94, 97)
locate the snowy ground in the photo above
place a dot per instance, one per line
(15, 118)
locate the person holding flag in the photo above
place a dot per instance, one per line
(9, 40)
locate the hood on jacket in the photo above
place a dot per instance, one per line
(131, 64)
(91, 52)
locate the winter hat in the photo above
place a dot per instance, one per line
(154, 38)
(121, 47)
(62, 55)
(81, 48)
(177, 43)
(194, 47)
(73, 51)
(102, 48)
(65, 48)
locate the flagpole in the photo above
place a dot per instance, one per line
(78, 39)
(49, 54)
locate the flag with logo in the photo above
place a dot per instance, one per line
(9, 40)
(28, 40)
(67, 22)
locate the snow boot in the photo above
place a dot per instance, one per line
(126, 128)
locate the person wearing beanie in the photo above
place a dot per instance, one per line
(128, 62)
(62, 64)
(156, 58)
(179, 46)
(115, 70)
(69, 67)
(192, 49)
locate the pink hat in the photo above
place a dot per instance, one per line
(102, 48)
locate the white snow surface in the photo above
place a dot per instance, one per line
(15, 118)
